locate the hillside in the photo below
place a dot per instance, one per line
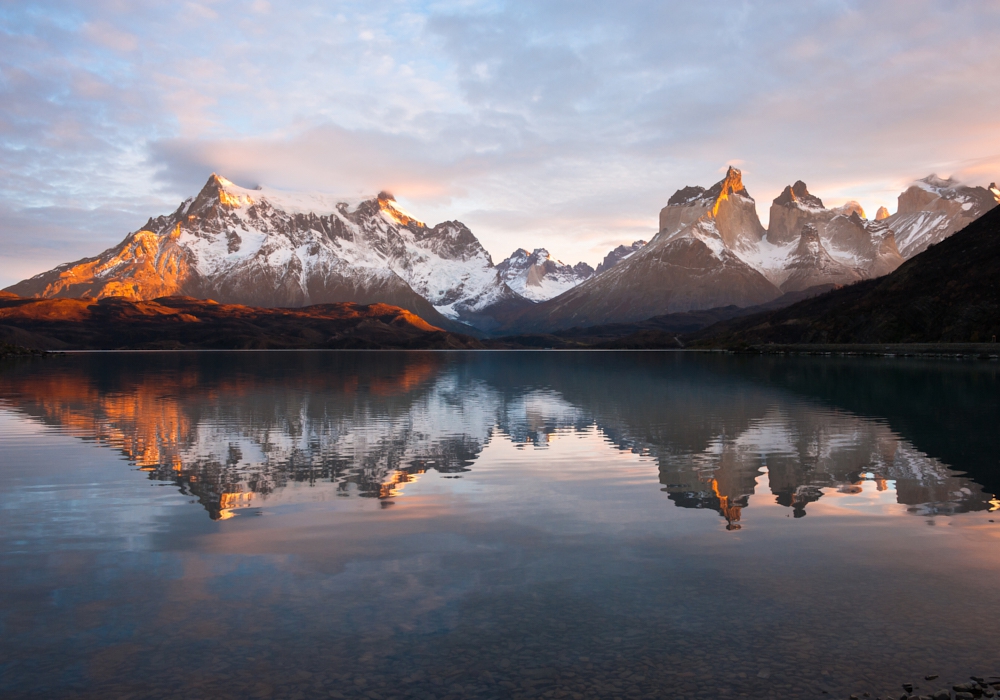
(184, 323)
(948, 293)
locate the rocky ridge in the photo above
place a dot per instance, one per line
(270, 248)
(617, 255)
(537, 276)
(933, 208)
(947, 294)
(712, 250)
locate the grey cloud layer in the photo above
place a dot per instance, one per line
(563, 124)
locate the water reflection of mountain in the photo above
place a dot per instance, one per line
(238, 429)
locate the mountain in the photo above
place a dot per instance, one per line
(932, 209)
(811, 263)
(807, 244)
(536, 276)
(712, 251)
(114, 323)
(270, 248)
(694, 262)
(617, 255)
(948, 293)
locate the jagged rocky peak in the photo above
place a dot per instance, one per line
(809, 238)
(699, 197)
(812, 264)
(537, 276)
(791, 210)
(933, 208)
(798, 195)
(796, 206)
(933, 193)
(881, 214)
(618, 254)
(995, 191)
(731, 184)
(727, 202)
(268, 247)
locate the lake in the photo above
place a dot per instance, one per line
(496, 524)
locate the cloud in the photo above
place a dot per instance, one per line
(560, 124)
(104, 34)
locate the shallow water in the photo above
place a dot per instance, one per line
(495, 524)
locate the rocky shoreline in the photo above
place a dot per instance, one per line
(975, 687)
(980, 351)
(7, 350)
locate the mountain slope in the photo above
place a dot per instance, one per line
(270, 248)
(948, 293)
(689, 264)
(183, 322)
(932, 209)
(617, 255)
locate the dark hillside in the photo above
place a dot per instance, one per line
(949, 293)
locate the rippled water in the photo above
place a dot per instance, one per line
(508, 524)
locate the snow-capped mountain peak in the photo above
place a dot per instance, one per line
(933, 208)
(268, 247)
(537, 276)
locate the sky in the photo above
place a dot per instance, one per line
(563, 125)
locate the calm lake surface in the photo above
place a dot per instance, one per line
(495, 524)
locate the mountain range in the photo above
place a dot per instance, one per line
(949, 293)
(271, 248)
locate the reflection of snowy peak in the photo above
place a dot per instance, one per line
(932, 209)
(271, 248)
(537, 276)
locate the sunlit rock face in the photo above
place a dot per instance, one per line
(881, 214)
(712, 251)
(694, 262)
(727, 203)
(270, 248)
(260, 430)
(791, 210)
(933, 208)
(538, 276)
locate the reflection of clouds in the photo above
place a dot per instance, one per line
(237, 438)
